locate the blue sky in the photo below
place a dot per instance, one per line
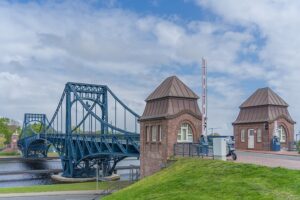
(132, 45)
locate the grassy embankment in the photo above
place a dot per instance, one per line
(13, 153)
(190, 179)
(60, 187)
(18, 154)
(52, 154)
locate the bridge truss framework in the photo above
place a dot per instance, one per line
(81, 133)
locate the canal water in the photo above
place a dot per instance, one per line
(43, 179)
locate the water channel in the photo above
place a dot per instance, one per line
(43, 179)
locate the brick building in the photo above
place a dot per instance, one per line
(14, 141)
(259, 115)
(171, 115)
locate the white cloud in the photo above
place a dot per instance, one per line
(278, 23)
(45, 46)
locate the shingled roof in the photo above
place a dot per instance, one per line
(264, 105)
(170, 99)
(172, 87)
(264, 96)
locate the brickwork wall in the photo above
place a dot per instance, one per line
(173, 127)
(263, 145)
(154, 155)
(289, 129)
(266, 134)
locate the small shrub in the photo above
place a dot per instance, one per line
(298, 146)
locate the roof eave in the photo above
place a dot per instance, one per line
(249, 122)
(176, 97)
(263, 105)
(166, 116)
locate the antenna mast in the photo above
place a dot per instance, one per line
(204, 97)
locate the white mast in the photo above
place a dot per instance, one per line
(275, 132)
(204, 97)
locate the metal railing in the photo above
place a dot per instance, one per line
(134, 174)
(193, 150)
(292, 146)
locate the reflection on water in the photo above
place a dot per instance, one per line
(43, 179)
(27, 179)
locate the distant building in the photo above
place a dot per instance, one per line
(171, 116)
(14, 141)
(259, 115)
(14, 123)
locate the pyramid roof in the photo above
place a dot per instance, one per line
(263, 97)
(172, 87)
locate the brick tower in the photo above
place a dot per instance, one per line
(259, 115)
(171, 116)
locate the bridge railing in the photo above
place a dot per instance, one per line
(133, 137)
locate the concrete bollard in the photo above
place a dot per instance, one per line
(219, 148)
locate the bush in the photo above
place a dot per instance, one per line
(298, 146)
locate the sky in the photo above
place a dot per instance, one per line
(133, 45)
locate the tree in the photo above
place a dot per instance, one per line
(2, 141)
(37, 127)
(5, 130)
(77, 130)
(32, 129)
(214, 134)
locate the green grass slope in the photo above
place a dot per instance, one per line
(190, 179)
(61, 187)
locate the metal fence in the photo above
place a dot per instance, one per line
(193, 150)
(292, 146)
(134, 174)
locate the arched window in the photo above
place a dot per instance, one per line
(243, 135)
(258, 136)
(185, 133)
(282, 134)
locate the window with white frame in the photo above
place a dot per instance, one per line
(258, 135)
(243, 135)
(147, 133)
(282, 134)
(154, 133)
(185, 133)
(159, 133)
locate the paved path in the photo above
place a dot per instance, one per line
(282, 152)
(271, 160)
(61, 195)
(56, 197)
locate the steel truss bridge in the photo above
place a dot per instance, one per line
(91, 126)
